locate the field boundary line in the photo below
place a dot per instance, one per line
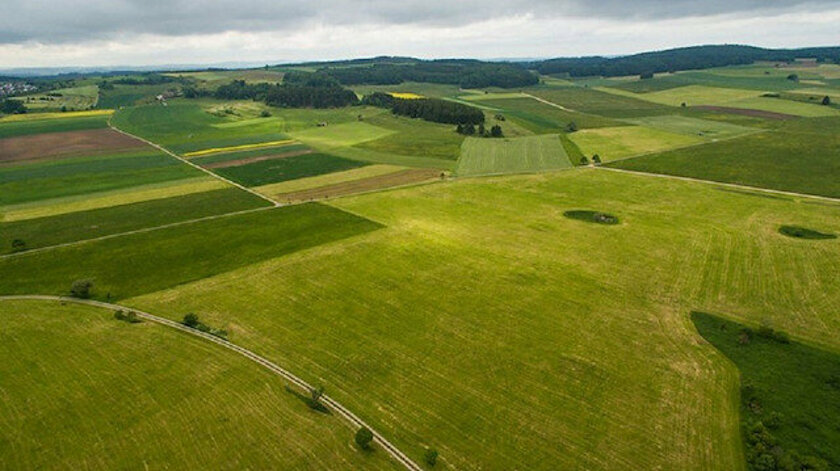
(354, 420)
(550, 103)
(724, 184)
(193, 165)
(135, 231)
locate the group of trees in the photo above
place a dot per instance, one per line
(298, 90)
(8, 106)
(191, 320)
(480, 131)
(464, 73)
(688, 58)
(438, 111)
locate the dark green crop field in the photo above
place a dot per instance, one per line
(39, 126)
(591, 101)
(151, 261)
(790, 395)
(289, 168)
(70, 227)
(541, 118)
(801, 156)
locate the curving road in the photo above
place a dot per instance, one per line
(354, 420)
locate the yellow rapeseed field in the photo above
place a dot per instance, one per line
(217, 150)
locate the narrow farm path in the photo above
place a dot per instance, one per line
(208, 172)
(354, 420)
(549, 103)
(727, 185)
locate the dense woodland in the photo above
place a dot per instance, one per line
(688, 58)
(429, 109)
(298, 90)
(466, 74)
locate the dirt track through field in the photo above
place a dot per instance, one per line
(354, 420)
(238, 162)
(64, 144)
(389, 180)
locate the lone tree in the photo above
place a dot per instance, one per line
(81, 289)
(363, 438)
(430, 456)
(793, 77)
(18, 245)
(496, 131)
(571, 127)
(584, 160)
(596, 159)
(190, 320)
(315, 397)
(826, 100)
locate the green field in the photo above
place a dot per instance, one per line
(70, 99)
(328, 179)
(626, 141)
(287, 168)
(149, 261)
(693, 126)
(800, 156)
(70, 227)
(39, 126)
(587, 100)
(777, 105)
(414, 137)
(541, 118)
(594, 318)
(691, 95)
(790, 393)
(483, 156)
(83, 175)
(82, 390)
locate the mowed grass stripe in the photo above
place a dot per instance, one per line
(82, 390)
(290, 168)
(484, 156)
(70, 204)
(150, 261)
(71, 227)
(307, 183)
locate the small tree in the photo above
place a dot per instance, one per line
(496, 131)
(826, 100)
(793, 77)
(584, 160)
(571, 127)
(18, 245)
(596, 159)
(81, 289)
(363, 438)
(683, 104)
(190, 320)
(430, 456)
(315, 397)
(265, 114)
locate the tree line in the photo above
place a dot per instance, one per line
(687, 58)
(298, 90)
(466, 74)
(429, 109)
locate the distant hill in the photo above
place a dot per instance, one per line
(686, 58)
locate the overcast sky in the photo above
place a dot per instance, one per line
(152, 32)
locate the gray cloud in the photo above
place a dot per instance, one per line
(72, 21)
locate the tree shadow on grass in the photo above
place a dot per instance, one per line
(317, 406)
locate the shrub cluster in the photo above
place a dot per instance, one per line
(127, 316)
(191, 321)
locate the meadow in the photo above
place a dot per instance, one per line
(599, 102)
(593, 318)
(72, 99)
(82, 390)
(288, 168)
(626, 141)
(800, 156)
(541, 118)
(81, 225)
(21, 127)
(482, 156)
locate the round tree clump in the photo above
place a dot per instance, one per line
(592, 216)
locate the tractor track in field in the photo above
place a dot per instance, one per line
(724, 184)
(349, 416)
(191, 164)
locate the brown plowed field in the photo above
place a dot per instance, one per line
(403, 177)
(64, 144)
(237, 163)
(747, 112)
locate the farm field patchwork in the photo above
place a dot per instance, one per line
(70, 227)
(541, 118)
(778, 105)
(65, 144)
(587, 100)
(149, 261)
(593, 317)
(104, 199)
(362, 185)
(626, 141)
(483, 156)
(73, 99)
(772, 160)
(10, 126)
(289, 168)
(691, 95)
(82, 390)
(693, 126)
(327, 179)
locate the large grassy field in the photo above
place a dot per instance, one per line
(542, 118)
(72, 99)
(801, 156)
(587, 100)
(149, 261)
(693, 126)
(82, 390)
(14, 128)
(288, 168)
(691, 95)
(483, 156)
(625, 141)
(484, 323)
(70, 227)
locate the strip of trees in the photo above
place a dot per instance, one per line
(464, 73)
(298, 90)
(429, 109)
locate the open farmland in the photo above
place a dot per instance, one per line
(480, 156)
(82, 390)
(626, 141)
(69, 143)
(418, 298)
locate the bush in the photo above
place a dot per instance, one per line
(596, 159)
(18, 245)
(81, 289)
(584, 160)
(363, 438)
(315, 398)
(496, 131)
(430, 456)
(265, 114)
(130, 316)
(191, 320)
(572, 127)
(826, 100)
